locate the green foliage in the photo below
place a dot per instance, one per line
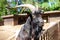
(45, 6)
(40, 3)
(2, 7)
(50, 5)
(1, 18)
(55, 4)
(13, 11)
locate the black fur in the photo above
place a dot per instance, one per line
(32, 27)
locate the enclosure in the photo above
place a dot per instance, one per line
(12, 19)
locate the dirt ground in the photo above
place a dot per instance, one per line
(9, 32)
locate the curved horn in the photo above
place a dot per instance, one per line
(31, 7)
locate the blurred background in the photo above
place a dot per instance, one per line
(7, 6)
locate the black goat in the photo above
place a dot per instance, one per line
(32, 28)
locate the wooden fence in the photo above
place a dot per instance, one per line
(50, 32)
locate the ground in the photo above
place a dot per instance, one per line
(9, 32)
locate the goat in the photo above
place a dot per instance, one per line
(33, 25)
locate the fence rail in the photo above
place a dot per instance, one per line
(50, 32)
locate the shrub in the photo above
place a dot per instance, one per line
(49, 6)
